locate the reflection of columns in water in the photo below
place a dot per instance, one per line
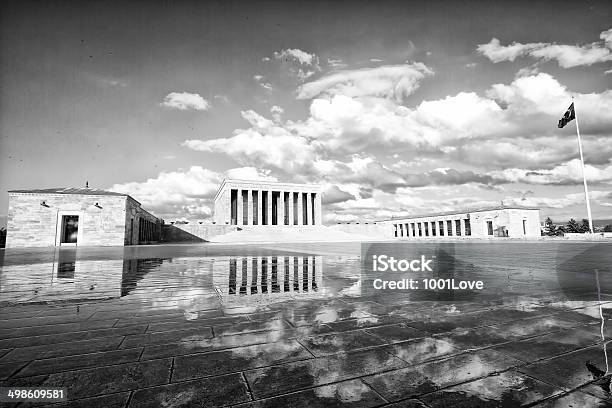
(269, 275)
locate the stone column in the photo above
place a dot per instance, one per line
(308, 208)
(249, 207)
(269, 209)
(462, 221)
(290, 208)
(300, 209)
(407, 226)
(281, 208)
(239, 209)
(318, 209)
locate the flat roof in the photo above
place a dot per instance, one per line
(441, 214)
(70, 190)
(267, 182)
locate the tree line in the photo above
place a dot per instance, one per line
(572, 226)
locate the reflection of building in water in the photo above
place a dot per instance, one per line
(268, 278)
(69, 278)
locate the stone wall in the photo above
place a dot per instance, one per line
(134, 212)
(32, 224)
(194, 232)
(380, 231)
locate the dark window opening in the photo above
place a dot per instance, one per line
(286, 208)
(264, 208)
(255, 206)
(275, 199)
(295, 209)
(312, 207)
(245, 207)
(233, 207)
(304, 209)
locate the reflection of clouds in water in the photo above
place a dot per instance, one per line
(353, 291)
(423, 349)
(259, 355)
(494, 388)
(345, 392)
(326, 315)
(195, 342)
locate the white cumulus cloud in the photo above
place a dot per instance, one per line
(390, 81)
(185, 101)
(567, 56)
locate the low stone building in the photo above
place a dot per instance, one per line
(263, 203)
(502, 221)
(78, 216)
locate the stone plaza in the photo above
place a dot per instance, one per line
(294, 326)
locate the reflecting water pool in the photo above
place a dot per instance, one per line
(302, 325)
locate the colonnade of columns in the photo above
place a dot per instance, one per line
(433, 228)
(269, 207)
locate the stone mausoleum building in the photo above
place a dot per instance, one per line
(502, 221)
(78, 216)
(264, 203)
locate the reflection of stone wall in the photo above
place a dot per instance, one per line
(66, 278)
(268, 278)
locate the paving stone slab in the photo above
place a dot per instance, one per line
(207, 392)
(67, 349)
(550, 345)
(575, 399)
(509, 389)
(429, 377)
(571, 370)
(340, 342)
(280, 379)
(353, 394)
(56, 328)
(54, 365)
(105, 401)
(112, 379)
(397, 332)
(237, 359)
(194, 334)
(423, 349)
(71, 336)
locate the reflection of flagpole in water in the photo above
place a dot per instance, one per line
(603, 338)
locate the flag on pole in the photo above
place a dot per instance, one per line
(569, 115)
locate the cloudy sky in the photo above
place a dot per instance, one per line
(396, 107)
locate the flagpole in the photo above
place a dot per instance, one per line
(586, 189)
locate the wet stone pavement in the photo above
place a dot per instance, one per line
(256, 326)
